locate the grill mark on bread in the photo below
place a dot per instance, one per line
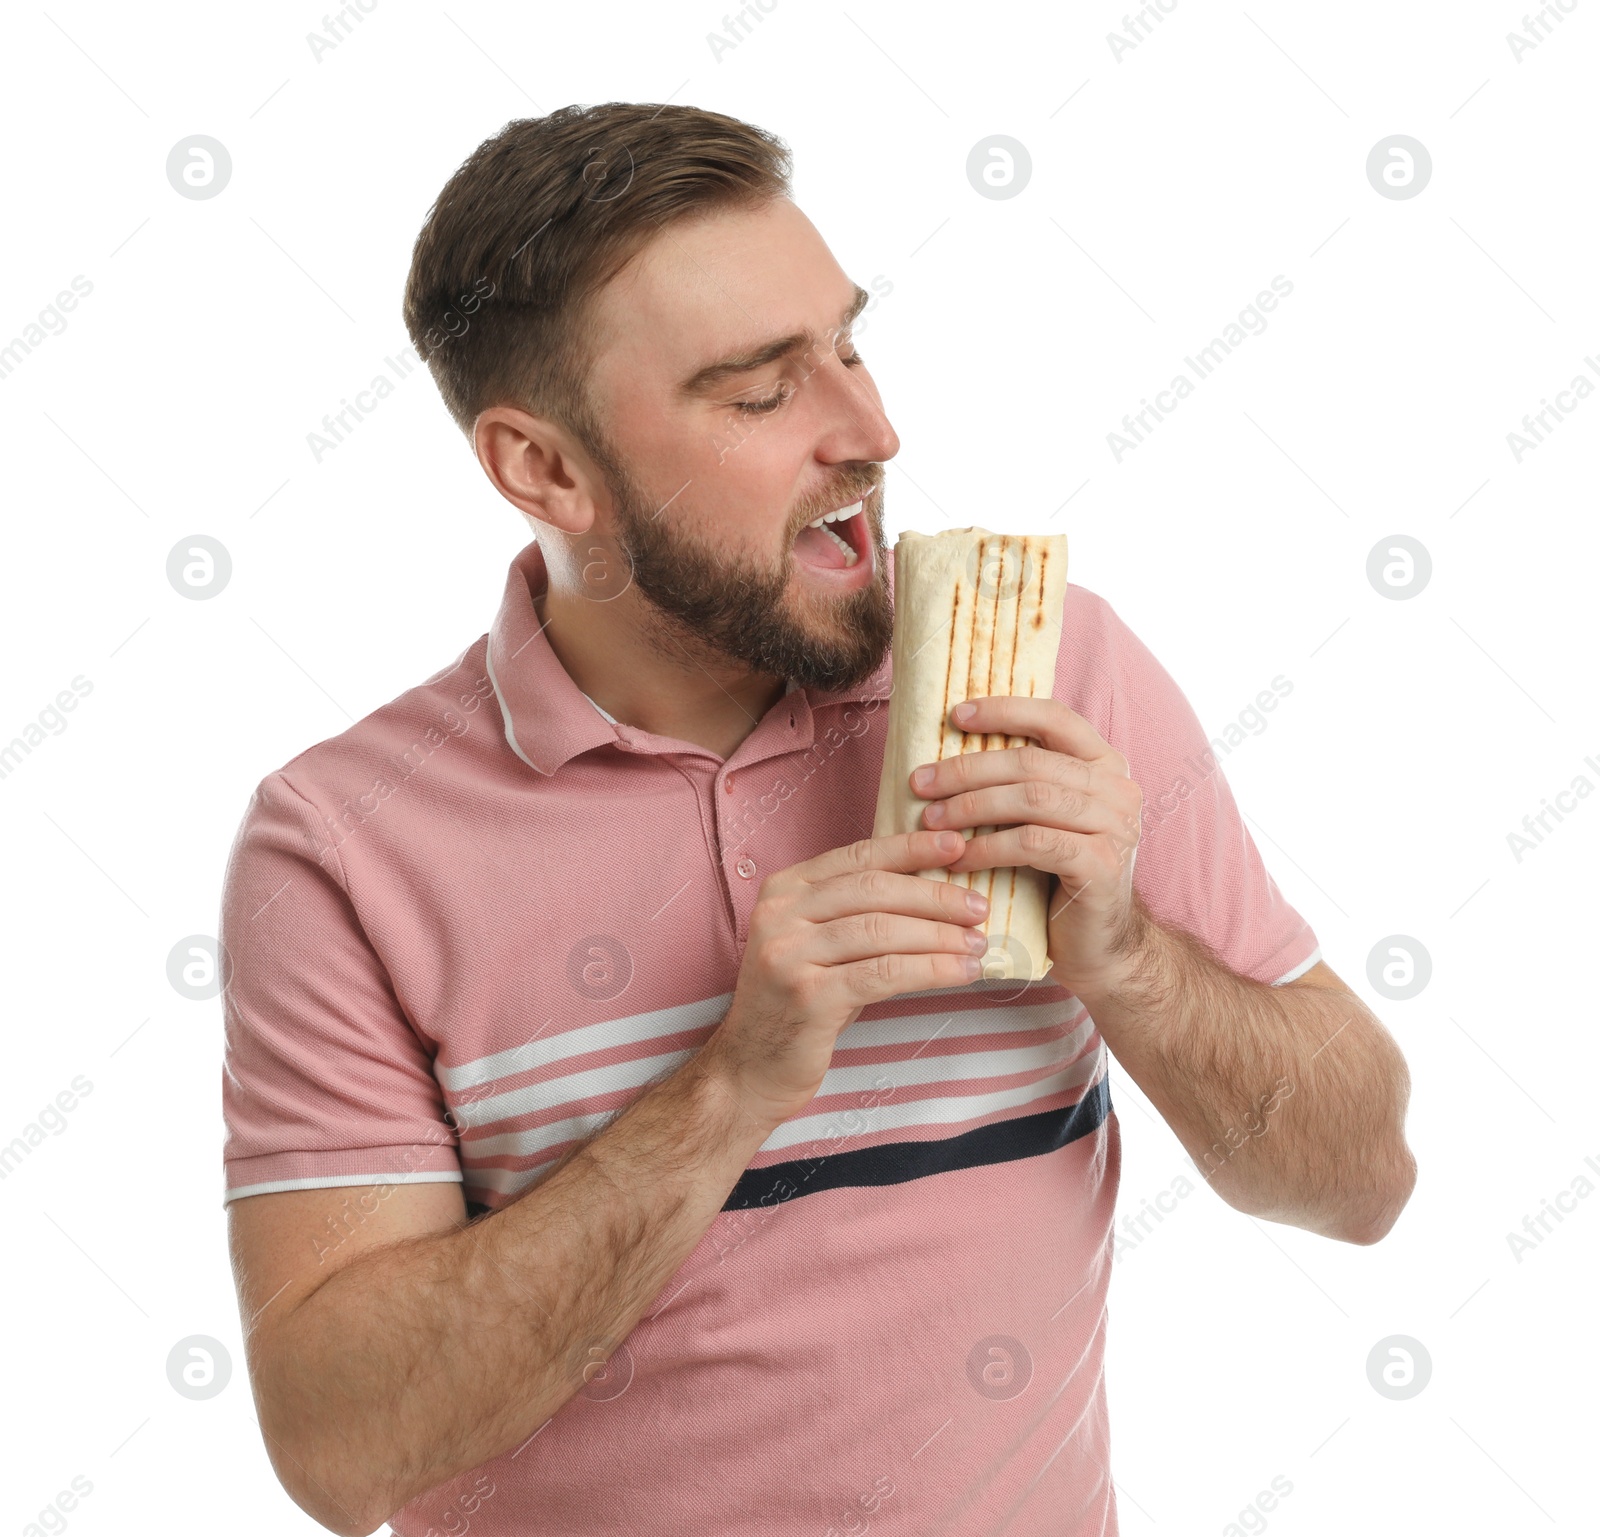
(963, 877)
(949, 669)
(990, 876)
(1030, 620)
(1011, 688)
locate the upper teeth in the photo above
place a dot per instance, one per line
(836, 517)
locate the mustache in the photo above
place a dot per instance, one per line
(841, 499)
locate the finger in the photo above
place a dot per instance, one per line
(886, 891)
(916, 850)
(887, 976)
(1076, 856)
(1048, 721)
(1005, 765)
(860, 935)
(1035, 800)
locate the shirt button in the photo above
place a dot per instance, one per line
(746, 867)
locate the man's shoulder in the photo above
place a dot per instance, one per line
(1096, 649)
(1110, 676)
(448, 712)
(1085, 612)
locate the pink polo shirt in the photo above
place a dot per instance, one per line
(468, 930)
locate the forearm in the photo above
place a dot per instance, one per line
(1290, 1100)
(423, 1359)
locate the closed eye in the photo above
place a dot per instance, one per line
(784, 393)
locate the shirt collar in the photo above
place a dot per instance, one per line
(548, 719)
(605, 714)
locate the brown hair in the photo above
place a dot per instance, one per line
(540, 217)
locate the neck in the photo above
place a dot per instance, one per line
(690, 699)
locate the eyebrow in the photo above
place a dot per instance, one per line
(705, 380)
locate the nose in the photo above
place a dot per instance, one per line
(859, 428)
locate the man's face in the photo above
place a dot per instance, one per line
(709, 496)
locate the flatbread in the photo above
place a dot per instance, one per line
(975, 613)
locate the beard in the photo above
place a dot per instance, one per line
(703, 603)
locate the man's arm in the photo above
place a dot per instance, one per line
(417, 1360)
(1291, 1100)
(1226, 1059)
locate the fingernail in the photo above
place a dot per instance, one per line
(922, 778)
(978, 902)
(976, 942)
(964, 711)
(948, 842)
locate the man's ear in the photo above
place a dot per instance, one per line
(536, 466)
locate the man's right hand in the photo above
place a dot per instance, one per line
(829, 936)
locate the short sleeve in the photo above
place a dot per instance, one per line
(1197, 867)
(324, 1081)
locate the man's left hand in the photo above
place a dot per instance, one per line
(1065, 805)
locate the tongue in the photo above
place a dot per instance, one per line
(818, 549)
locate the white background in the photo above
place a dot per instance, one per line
(1168, 187)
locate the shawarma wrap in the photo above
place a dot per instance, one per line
(975, 613)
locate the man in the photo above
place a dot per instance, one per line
(617, 1140)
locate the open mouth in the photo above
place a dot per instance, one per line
(836, 541)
